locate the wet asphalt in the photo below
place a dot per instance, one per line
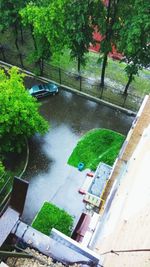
(51, 179)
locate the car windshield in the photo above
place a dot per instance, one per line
(41, 87)
(36, 88)
(45, 86)
(51, 87)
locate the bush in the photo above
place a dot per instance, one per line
(19, 113)
(50, 217)
(2, 169)
(98, 145)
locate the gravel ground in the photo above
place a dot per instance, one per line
(40, 260)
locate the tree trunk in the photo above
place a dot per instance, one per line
(127, 85)
(41, 66)
(110, 20)
(107, 37)
(16, 37)
(34, 41)
(79, 65)
(103, 69)
(3, 53)
(38, 64)
(21, 34)
(21, 60)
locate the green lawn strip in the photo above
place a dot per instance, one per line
(98, 145)
(114, 71)
(50, 217)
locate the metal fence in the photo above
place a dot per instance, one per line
(65, 78)
(5, 190)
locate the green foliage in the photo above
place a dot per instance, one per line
(131, 69)
(50, 217)
(109, 18)
(98, 145)
(19, 115)
(126, 25)
(9, 15)
(107, 25)
(47, 20)
(2, 169)
(3, 182)
(80, 19)
(31, 15)
(41, 53)
(134, 37)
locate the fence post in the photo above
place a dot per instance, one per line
(80, 83)
(102, 89)
(125, 98)
(60, 75)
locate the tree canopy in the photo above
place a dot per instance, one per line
(9, 15)
(2, 169)
(80, 19)
(46, 20)
(60, 24)
(19, 113)
(134, 38)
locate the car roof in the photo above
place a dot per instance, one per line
(37, 88)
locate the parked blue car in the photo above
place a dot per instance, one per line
(42, 90)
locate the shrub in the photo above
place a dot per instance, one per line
(50, 217)
(2, 169)
(19, 113)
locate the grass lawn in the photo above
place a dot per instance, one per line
(98, 145)
(115, 73)
(50, 217)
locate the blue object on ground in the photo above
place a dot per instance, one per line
(80, 166)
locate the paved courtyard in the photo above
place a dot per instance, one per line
(51, 178)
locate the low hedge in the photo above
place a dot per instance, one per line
(98, 145)
(50, 217)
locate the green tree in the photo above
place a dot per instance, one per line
(46, 19)
(10, 17)
(134, 39)
(47, 27)
(80, 19)
(2, 169)
(41, 53)
(108, 19)
(19, 116)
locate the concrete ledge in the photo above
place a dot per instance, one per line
(58, 246)
(69, 242)
(7, 222)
